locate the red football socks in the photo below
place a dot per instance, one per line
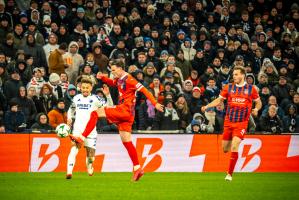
(91, 123)
(232, 162)
(132, 152)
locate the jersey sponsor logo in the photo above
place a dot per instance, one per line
(83, 106)
(238, 100)
(43, 158)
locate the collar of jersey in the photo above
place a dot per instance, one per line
(121, 78)
(241, 85)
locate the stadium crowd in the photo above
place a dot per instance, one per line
(182, 51)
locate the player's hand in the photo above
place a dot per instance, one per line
(100, 75)
(69, 122)
(203, 109)
(254, 112)
(106, 90)
(159, 107)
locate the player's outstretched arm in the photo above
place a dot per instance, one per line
(214, 103)
(105, 79)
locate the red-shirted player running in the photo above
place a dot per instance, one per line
(123, 114)
(239, 97)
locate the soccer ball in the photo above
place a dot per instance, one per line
(63, 130)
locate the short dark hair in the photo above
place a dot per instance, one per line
(63, 46)
(118, 63)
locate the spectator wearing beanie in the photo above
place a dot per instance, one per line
(57, 64)
(25, 71)
(69, 95)
(196, 101)
(54, 82)
(291, 119)
(149, 72)
(58, 115)
(101, 60)
(35, 50)
(167, 120)
(26, 105)
(183, 64)
(282, 90)
(11, 86)
(37, 81)
(14, 119)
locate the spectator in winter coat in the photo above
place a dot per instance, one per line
(183, 64)
(36, 51)
(291, 119)
(54, 82)
(11, 87)
(37, 81)
(167, 120)
(149, 72)
(42, 123)
(25, 71)
(26, 105)
(183, 112)
(57, 63)
(69, 95)
(281, 90)
(14, 120)
(273, 101)
(196, 101)
(46, 100)
(74, 60)
(188, 50)
(51, 46)
(271, 122)
(58, 115)
(101, 60)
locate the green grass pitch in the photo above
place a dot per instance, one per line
(152, 186)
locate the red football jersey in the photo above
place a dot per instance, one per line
(239, 101)
(128, 86)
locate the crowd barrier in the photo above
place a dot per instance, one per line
(156, 152)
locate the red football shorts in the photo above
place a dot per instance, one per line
(120, 115)
(231, 130)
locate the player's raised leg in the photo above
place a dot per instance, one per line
(90, 157)
(91, 124)
(126, 138)
(71, 160)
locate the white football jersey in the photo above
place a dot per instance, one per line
(80, 110)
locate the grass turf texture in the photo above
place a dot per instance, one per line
(152, 186)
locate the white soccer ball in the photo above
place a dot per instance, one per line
(63, 130)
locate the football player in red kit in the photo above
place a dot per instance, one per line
(122, 114)
(239, 96)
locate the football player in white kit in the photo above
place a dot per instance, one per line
(83, 104)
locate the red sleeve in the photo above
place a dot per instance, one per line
(148, 95)
(109, 81)
(224, 92)
(139, 87)
(255, 95)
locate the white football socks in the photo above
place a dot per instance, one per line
(72, 159)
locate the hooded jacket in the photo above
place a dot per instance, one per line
(39, 126)
(76, 60)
